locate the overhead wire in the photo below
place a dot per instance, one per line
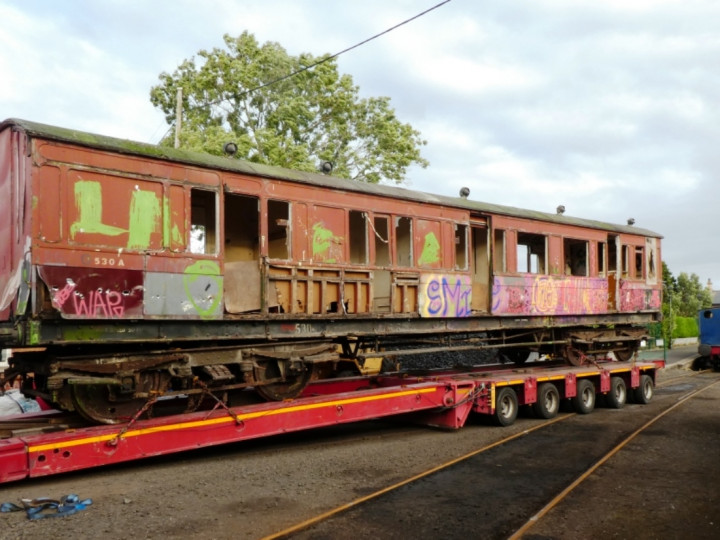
(332, 56)
(328, 58)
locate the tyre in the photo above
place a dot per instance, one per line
(617, 396)
(644, 393)
(506, 407)
(548, 401)
(584, 401)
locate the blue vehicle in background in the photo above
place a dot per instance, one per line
(709, 345)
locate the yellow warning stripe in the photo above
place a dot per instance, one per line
(226, 419)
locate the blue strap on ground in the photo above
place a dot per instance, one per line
(45, 508)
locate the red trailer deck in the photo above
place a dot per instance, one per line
(443, 399)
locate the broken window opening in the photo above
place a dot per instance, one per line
(499, 251)
(278, 217)
(612, 254)
(639, 262)
(652, 271)
(576, 257)
(461, 259)
(382, 243)
(531, 249)
(242, 228)
(602, 259)
(403, 241)
(358, 237)
(625, 261)
(203, 216)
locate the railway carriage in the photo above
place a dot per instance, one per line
(130, 271)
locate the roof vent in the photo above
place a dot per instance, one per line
(230, 148)
(465, 192)
(560, 210)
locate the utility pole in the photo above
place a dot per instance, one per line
(178, 117)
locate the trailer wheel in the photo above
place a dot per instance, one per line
(506, 407)
(584, 400)
(617, 396)
(644, 393)
(548, 401)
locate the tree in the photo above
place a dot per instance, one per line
(668, 305)
(250, 94)
(691, 295)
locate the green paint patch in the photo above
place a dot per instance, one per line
(204, 287)
(144, 219)
(86, 333)
(89, 204)
(322, 241)
(144, 215)
(431, 250)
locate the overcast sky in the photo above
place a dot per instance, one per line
(609, 108)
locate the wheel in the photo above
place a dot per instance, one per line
(644, 393)
(288, 385)
(506, 407)
(100, 403)
(548, 401)
(584, 401)
(574, 357)
(625, 355)
(617, 396)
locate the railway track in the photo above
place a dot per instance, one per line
(554, 485)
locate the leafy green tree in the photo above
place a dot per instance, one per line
(668, 305)
(691, 295)
(278, 112)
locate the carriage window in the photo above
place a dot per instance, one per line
(576, 257)
(612, 254)
(382, 241)
(403, 241)
(531, 250)
(203, 237)
(650, 245)
(358, 237)
(241, 228)
(639, 259)
(499, 251)
(461, 247)
(278, 216)
(602, 259)
(625, 261)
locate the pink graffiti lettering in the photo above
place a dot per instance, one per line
(63, 294)
(99, 304)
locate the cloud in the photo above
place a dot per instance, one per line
(608, 108)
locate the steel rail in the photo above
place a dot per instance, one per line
(585, 475)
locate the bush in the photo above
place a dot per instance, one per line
(686, 327)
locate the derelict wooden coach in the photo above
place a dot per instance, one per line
(133, 270)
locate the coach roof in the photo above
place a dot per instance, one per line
(124, 146)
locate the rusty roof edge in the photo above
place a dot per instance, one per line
(269, 171)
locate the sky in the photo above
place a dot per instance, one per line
(608, 108)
